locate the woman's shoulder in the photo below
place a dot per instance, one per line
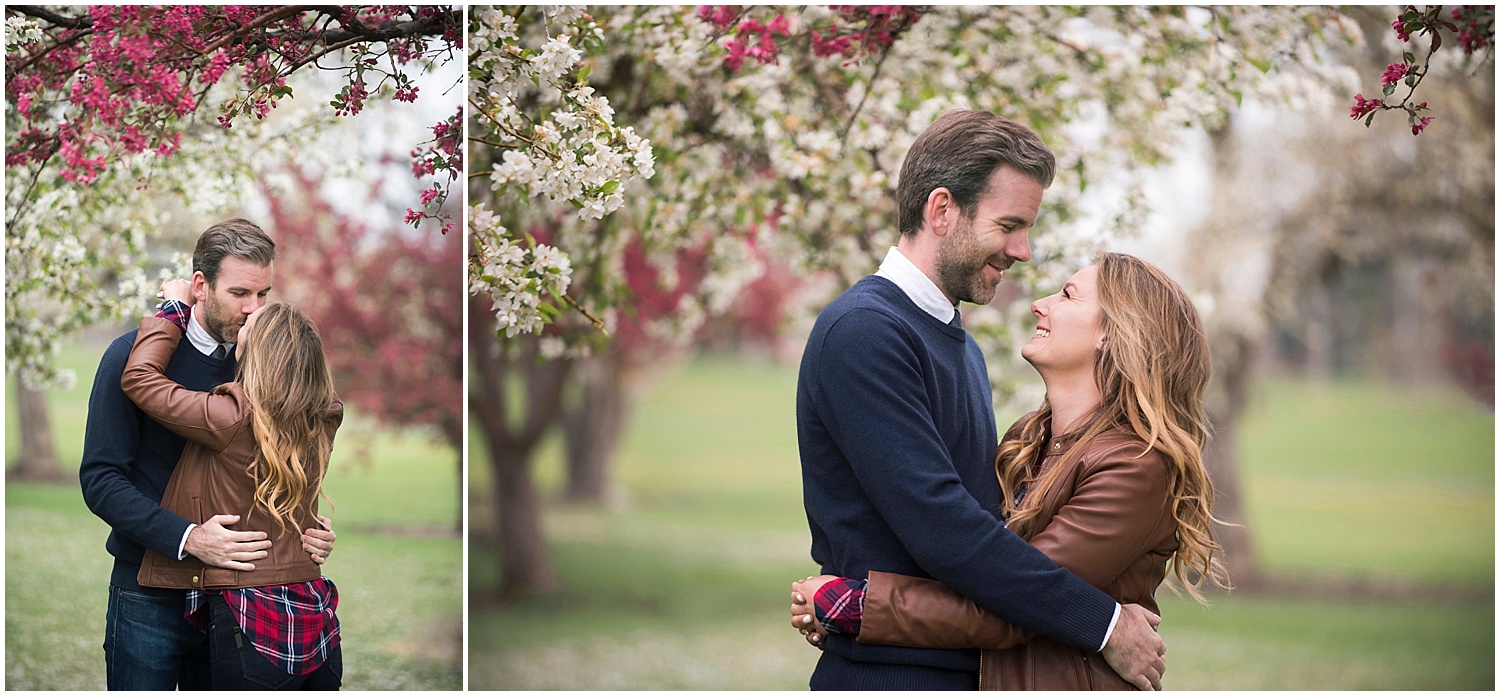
(1120, 447)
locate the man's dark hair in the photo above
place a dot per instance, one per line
(239, 238)
(959, 152)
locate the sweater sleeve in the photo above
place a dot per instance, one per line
(874, 403)
(111, 440)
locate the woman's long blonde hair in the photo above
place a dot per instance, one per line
(1151, 372)
(289, 388)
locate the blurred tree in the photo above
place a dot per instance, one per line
(104, 101)
(778, 132)
(388, 304)
(1397, 235)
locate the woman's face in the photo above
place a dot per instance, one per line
(239, 343)
(1067, 329)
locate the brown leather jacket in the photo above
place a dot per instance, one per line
(1107, 520)
(212, 477)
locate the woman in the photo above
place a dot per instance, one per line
(258, 447)
(1106, 478)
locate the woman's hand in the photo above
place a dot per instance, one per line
(180, 290)
(804, 619)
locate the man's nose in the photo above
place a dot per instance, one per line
(1019, 248)
(253, 304)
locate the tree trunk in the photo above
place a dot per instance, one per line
(594, 428)
(526, 567)
(38, 458)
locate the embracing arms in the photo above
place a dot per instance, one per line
(872, 397)
(1106, 530)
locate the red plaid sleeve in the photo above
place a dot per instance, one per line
(174, 311)
(840, 605)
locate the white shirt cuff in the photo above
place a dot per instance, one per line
(1113, 620)
(182, 553)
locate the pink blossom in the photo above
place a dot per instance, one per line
(1420, 124)
(412, 216)
(1393, 74)
(1363, 107)
(1400, 28)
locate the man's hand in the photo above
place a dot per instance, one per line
(180, 290)
(1135, 651)
(215, 545)
(319, 542)
(804, 618)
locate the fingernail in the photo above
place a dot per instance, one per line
(798, 597)
(813, 638)
(807, 619)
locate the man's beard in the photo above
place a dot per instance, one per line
(960, 266)
(214, 321)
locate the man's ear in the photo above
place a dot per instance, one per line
(201, 288)
(937, 214)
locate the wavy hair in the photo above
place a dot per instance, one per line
(1151, 372)
(288, 386)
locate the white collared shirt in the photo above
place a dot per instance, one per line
(900, 270)
(198, 336)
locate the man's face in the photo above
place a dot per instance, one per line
(973, 255)
(223, 307)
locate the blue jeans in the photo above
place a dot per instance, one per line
(238, 666)
(149, 645)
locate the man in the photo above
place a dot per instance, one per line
(896, 428)
(128, 459)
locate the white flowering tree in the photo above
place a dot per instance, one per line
(750, 137)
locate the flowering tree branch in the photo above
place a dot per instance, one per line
(1472, 25)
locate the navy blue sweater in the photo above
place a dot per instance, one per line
(128, 457)
(897, 437)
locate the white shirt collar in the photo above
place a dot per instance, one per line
(917, 286)
(198, 336)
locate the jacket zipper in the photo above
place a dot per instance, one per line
(981, 670)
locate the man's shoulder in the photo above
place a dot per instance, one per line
(877, 298)
(118, 351)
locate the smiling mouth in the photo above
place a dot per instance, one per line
(1042, 333)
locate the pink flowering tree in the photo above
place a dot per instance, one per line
(120, 117)
(395, 346)
(770, 137)
(1472, 27)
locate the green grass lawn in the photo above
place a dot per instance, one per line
(684, 585)
(397, 563)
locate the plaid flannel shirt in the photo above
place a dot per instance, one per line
(840, 605)
(292, 625)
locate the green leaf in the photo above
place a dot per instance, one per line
(583, 74)
(1389, 90)
(1410, 59)
(281, 91)
(609, 187)
(1263, 65)
(1369, 119)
